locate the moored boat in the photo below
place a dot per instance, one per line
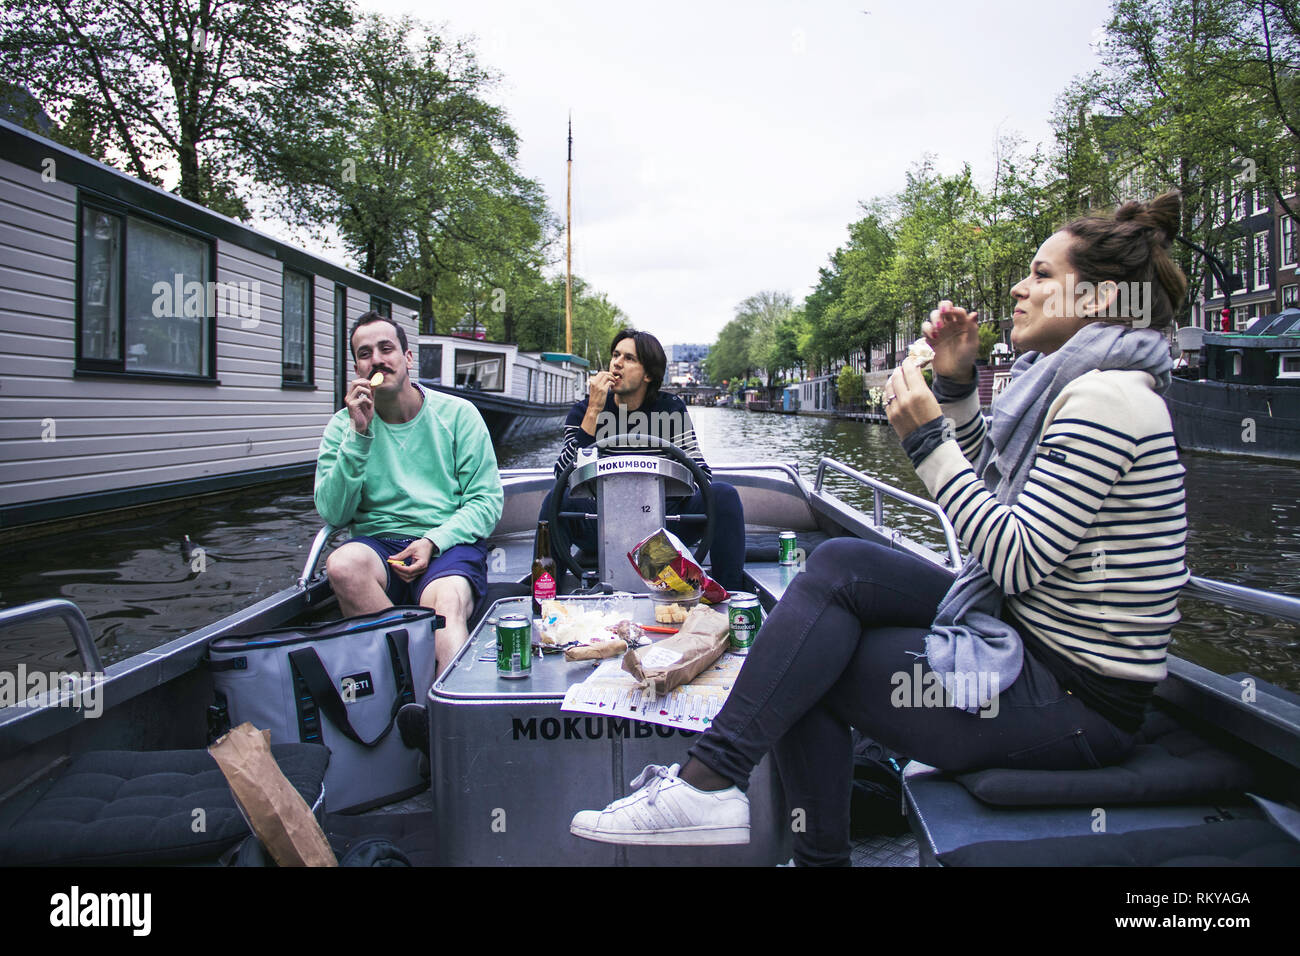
(1245, 399)
(518, 393)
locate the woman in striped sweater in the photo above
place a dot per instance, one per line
(1045, 651)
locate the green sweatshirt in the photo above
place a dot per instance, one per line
(433, 477)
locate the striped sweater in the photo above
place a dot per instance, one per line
(1091, 556)
(666, 417)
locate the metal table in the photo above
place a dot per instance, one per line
(510, 768)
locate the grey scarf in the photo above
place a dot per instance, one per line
(968, 639)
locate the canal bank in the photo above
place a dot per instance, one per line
(139, 585)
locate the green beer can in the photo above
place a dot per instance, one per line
(789, 545)
(746, 616)
(514, 646)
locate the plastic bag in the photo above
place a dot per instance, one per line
(665, 564)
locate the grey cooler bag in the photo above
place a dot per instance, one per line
(339, 684)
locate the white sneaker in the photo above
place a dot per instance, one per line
(667, 811)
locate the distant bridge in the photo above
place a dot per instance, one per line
(695, 394)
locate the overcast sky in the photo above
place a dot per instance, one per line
(721, 148)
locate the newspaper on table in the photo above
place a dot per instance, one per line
(611, 691)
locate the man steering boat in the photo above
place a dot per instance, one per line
(626, 399)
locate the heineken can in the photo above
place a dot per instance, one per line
(789, 545)
(746, 616)
(514, 646)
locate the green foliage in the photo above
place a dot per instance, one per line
(848, 386)
(989, 337)
(174, 86)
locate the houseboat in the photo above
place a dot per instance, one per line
(153, 349)
(518, 393)
(1239, 392)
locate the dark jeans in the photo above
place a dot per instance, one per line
(727, 554)
(840, 650)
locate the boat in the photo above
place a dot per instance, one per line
(518, 393)
(157, 700)
(1239, 392)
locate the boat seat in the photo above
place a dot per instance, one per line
(1172, 779)
(766, 546)
(129, 808)
(1226, 843)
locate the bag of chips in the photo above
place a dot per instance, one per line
(665, 564)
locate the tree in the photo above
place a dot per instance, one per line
(418, 172)
(173, 86)
(848, 386)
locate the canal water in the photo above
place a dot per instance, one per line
(140, 585)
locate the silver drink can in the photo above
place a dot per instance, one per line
(746, 616)
(789, 545)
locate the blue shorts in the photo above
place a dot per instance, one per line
(467, 560)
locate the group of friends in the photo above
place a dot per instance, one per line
(1069, 502)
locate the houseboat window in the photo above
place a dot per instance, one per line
(382, 306)
(1287, 253)
(1290, 296)
(168, 300)
(295, 329)
(482, 370)
(1236, 363)
(1261, 260)
(1288, 365)
(431, 364)
(148, 302)
(101, 293)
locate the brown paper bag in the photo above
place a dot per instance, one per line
(674, 661)
(279, 816)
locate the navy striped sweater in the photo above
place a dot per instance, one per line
(1091, 556)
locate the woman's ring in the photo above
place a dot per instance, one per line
(888, 399)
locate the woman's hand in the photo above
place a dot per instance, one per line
(909, 403)
(955, 337)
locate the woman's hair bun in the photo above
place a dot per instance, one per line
(1161, 214)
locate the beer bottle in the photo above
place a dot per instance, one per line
(544, 568)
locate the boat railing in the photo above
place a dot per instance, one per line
(323, 537)
(881, 490)
(1285, 607)
(70, 614)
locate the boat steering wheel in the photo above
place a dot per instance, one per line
(562, 547)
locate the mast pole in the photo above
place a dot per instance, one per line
(568, 241)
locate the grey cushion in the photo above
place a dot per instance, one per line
(127, 808)
(1169, 764)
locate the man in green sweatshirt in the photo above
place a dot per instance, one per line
(414, 473)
